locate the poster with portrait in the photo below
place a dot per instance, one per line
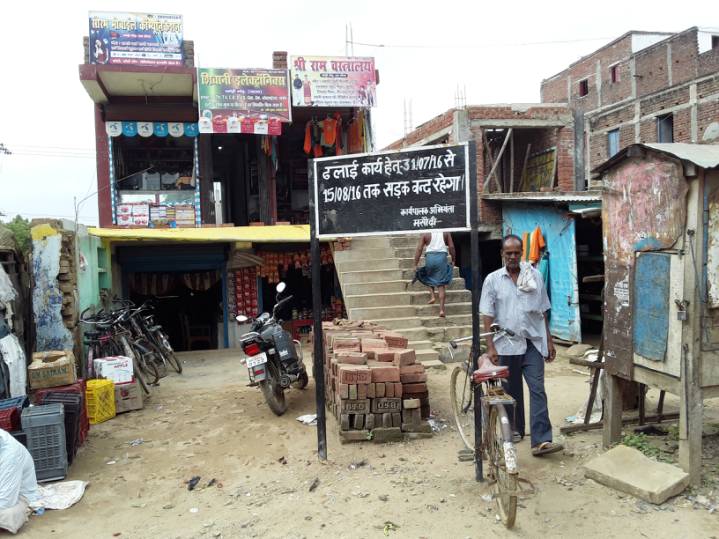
(333, 81)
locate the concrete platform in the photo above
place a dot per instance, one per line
(626, 469)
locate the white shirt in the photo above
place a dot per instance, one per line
(436, 244)
(522, 312)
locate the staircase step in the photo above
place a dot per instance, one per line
(404, 241)
(450, 309)
(413, 333)
(376, 264)
(450, 320)
(421, 345)
(426, 355)
(398, 299)
(409, 273)
(377, 313)
(457, 283)
(444, 334)
(356, 254)
(381, 287)
(400, 323)
(452, 297)
(361, 276)
(371, 242)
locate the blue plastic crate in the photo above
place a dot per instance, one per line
(15, 402)
(44, 427)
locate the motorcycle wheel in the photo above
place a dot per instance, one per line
(273, 392)
(302, 380)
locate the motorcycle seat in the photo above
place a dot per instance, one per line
(487, 370)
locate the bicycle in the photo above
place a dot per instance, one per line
(497, 431)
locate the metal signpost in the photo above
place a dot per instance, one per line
(411, 191)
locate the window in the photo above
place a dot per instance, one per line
(614, 73)
(665, 128)
(583, 87)
(613, 142)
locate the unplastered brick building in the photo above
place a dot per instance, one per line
(642, 87)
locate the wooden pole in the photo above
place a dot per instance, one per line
(318, 360)
(499, 158)
(524, 165)
(511, 164)
(612, 411)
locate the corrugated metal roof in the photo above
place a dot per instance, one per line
(702, 155)
(577, 196)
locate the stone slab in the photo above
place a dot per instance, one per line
(434, 364)
(626, 469)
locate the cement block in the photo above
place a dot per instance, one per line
(626, 469)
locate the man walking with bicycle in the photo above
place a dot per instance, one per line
(515, 298)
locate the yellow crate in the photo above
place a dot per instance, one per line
(100, 400)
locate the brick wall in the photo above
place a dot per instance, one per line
(664, 100)
(685, 50)
(708, 62)
(554, 89)
(707, 113)
(425, 130)
(565, 159)
(651, 69)
(279, 60)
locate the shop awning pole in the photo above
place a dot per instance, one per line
(318, 359)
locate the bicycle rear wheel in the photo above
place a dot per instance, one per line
(503, 468)
(169, 353)
(460, 392)
(148, 368)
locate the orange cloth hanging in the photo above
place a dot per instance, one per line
(537, 244)
(308, 138)
(329, 130)
(355, 135)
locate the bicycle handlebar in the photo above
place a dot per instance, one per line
(495, 330)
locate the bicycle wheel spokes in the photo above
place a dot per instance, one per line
(503, 465)
(463, 405)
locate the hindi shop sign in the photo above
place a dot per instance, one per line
(243, 100)
(337, 81)
(147, 39)
(408, 191)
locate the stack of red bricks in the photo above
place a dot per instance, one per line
(374, 387)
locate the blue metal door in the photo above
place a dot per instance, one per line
(557, 227)
(651, 305)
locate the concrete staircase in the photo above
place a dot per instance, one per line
(375, 276)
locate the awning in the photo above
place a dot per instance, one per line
(252, 234)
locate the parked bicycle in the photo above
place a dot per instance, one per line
(497, 431)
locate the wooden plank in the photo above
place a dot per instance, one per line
(524, 165)
(612, 425)
(499, 158)
(511, 164)
(569, 429)
(586, 363)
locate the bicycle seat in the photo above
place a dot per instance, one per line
(489, 371)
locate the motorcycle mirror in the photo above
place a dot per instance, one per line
(281, 286)
(241, 318)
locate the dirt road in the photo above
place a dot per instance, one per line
(207, 423)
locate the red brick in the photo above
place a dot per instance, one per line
(395, 340)
(344, 391)
(413, 378)
(356, 374)
(351, 358)
(390, 373)
(389, 389)
(405, 357)
(415, 388)
(371, 391)
(379, 390)
(417, 368)
(386, 356)
(373, 344)
(398, 389)
(362, 391)
(346, 344)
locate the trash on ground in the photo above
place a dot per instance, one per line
(308, 419)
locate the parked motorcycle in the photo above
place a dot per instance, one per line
(274, 360)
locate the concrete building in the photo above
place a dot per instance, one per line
(642, 87)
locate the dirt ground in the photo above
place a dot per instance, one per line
(207, 423)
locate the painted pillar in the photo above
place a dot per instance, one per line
(102, 150)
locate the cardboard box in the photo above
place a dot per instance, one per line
(119, 369)
(51, 369)
(128, 397)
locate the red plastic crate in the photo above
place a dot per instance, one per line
(10, 419)
(77, 387)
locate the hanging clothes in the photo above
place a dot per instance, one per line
(525, 246)
(313, 139)
(537, 243)
(356, 134)
(543, 268)
(329, 132)
(307, 147)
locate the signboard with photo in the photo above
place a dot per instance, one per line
(333, 81)
(135, 38)
(243, 100)
(408, 191)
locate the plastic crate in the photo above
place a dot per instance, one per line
(100, 400)
(44, 427)
(21, 437)
(72, 403)
(78, 388)
(15, 402)
(10, 419)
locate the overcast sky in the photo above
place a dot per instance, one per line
(499, 52)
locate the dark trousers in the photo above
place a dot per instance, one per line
(531, 366)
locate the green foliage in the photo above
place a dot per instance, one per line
(21, 230)
(640, 442)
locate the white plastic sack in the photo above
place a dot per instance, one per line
(61, 495)
(12, 354)
(17, 473)
(13, 518)
(7, 290)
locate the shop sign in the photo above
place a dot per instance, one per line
(135, 38)
(146, 129)
(243, 100)
(333, 81)
(408, 191)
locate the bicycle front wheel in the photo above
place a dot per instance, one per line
(503, 466)
(460, 392)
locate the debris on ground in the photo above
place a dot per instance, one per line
(315, 484)
(308, 419)
(192, 482)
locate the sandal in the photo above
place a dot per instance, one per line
(546, 448)
(516, 437)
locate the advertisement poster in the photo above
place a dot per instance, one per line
(135, 38)
(243, 100)
(333, 81)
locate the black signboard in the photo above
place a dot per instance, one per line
(406, 191)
